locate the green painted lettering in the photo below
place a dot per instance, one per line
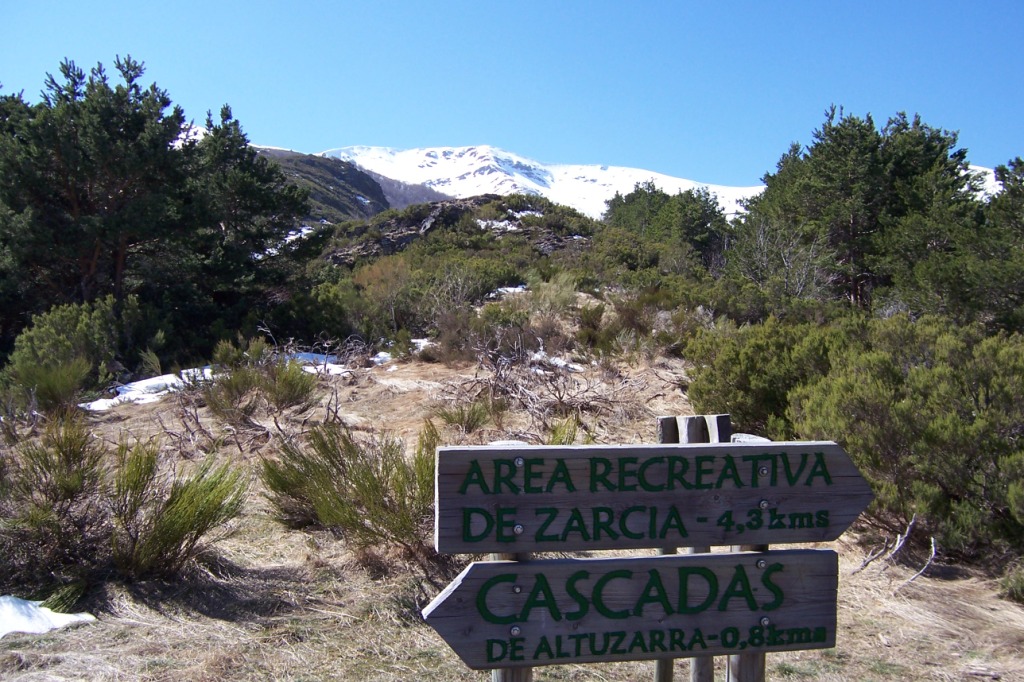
(541, 597)
(599, 586)
(627, 472)
(673, 522)
(481, 600)
(819, 470)
(617, 639)
(504, 470)
(709, 591)
(575, 524)
(577, 640)
(560, 475)
(576, 596)
(475, 476)
(766, 580)
(542, 535)
(504, 524)
(801, 520)
(497, 650)
(624, 521)
(642, 475)
(543, 647)
(677, 468)
(658, 640)
(704, 468)
(600, 468)
(653, 593)
(467, 524)
(798, 635)
(638, 642)
(603, 519)
(739, 586)
(756, 461)
(675, 640)
(792, 478)
(729, 472)
(530, 475)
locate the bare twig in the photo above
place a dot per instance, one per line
(924, 568)
(901, 540)
(874, 554)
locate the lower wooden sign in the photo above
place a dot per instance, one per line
(509, 614)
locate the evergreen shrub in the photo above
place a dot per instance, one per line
(67, 349)
(72, 512)
(467, 417)
(366, 490)
(748, 371)
(1011, 584)
(54, 522)
(161, 526)
(931, 413)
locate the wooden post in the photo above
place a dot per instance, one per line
(747, 667)
(714, 428)
(511, 674)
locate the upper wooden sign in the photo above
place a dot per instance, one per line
(508, 614)
(567, 498)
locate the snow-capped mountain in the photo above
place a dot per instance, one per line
(469, 171)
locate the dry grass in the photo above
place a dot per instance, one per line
(284, 605)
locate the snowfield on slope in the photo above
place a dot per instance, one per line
(470, 171)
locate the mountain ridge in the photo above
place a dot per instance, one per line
(462, 172)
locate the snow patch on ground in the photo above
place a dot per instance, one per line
(150, 390)
(153, 389)
(20, 615)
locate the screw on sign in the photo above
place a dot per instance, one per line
(508, 614)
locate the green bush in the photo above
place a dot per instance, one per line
(54, 521)
(1011, 584)
(286, 385)
(252, 373)
(158, 527)
(232, 396)
(72, 513)
(467, 417)
(51, 387)
(749, 371)
(67, 334)
(366, 490)
(931, 413)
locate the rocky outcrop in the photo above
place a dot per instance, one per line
(386, 237)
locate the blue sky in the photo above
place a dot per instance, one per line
(710, 91)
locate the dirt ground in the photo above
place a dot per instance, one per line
(276, 604)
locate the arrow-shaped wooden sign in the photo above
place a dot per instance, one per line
(565, 498)
(509, 614)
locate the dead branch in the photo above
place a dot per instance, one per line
(874, 554)
(924, 568)
(901, 540)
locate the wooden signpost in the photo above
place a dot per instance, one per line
(567, 498)
(509, 614)
(518, 500)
